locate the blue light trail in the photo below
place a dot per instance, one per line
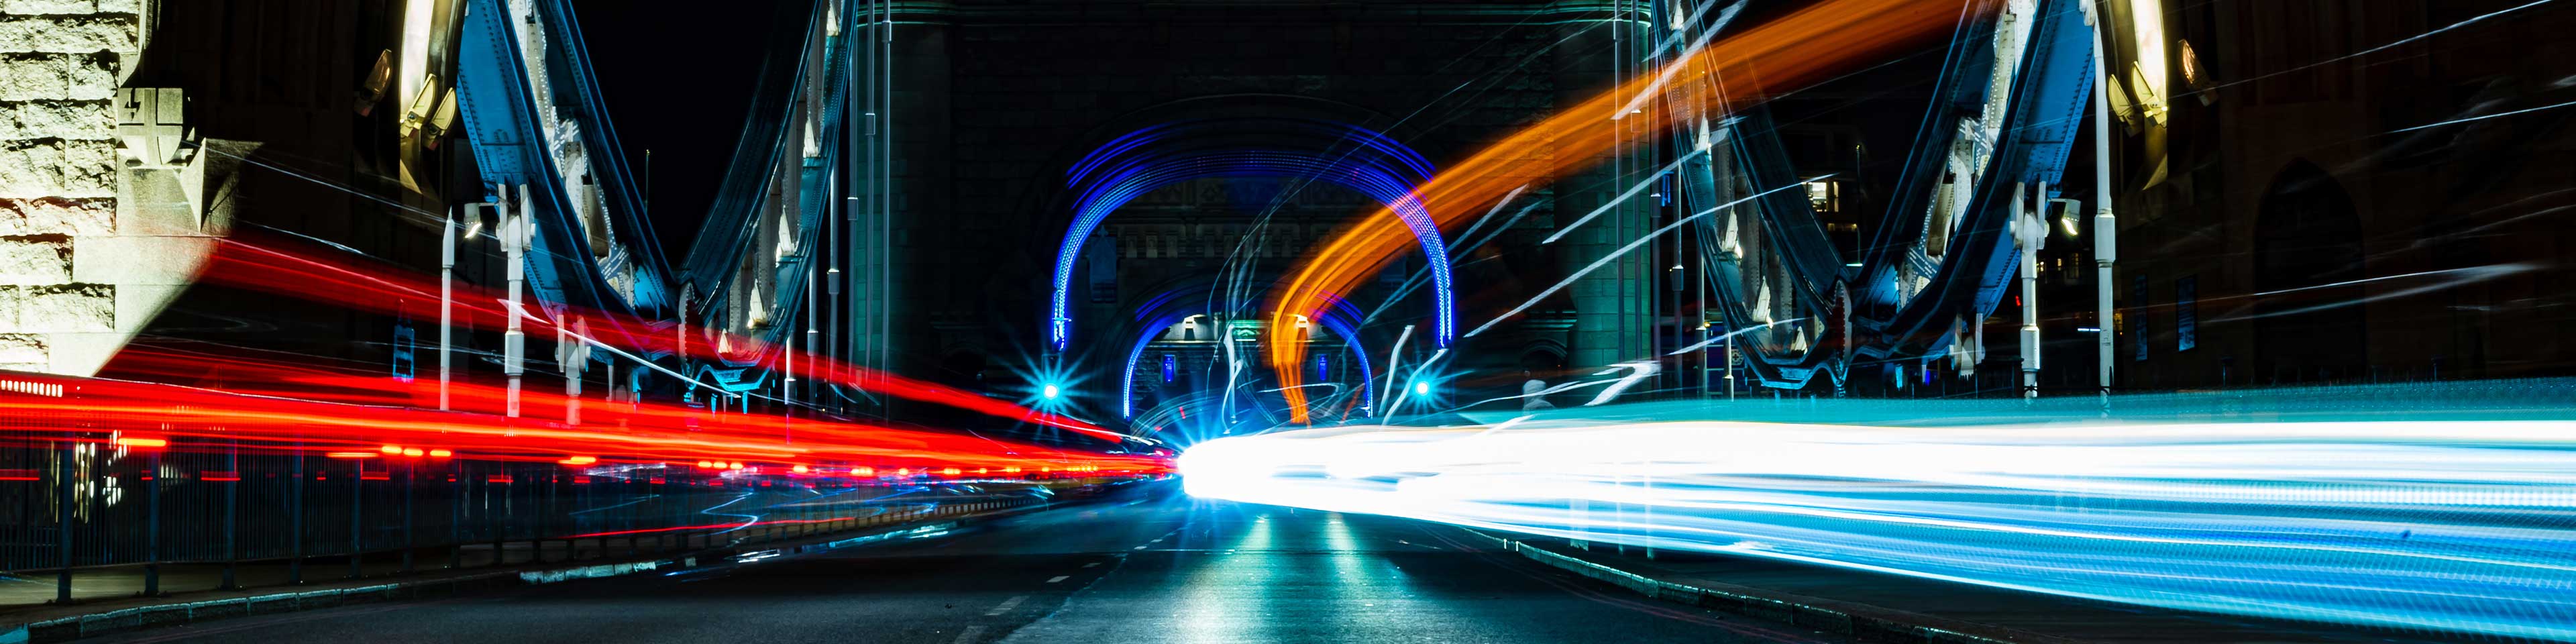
(2438, 521)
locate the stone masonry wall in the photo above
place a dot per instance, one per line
(59, 69)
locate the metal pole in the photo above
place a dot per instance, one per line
(787, 367)
(411, 480)
(2032, 233)
(1730, 362)
(152, 528)
(232, 490)
(852, 113)
(884, 347)
(295, 516)
(456, 518)
(2106, 228)
(573, 355)
(492, 518)
(447, 299)
(514, 344)
(357, 516)
(63, 521)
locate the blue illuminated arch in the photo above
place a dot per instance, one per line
(1154, 157)
(1159, 314)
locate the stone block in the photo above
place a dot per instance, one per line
(30, 168)
(47, 7)
(57, 216)
(67, 34)
(93, 76)
(67, 308)
(120, 6)
(89, 168)
(139, 259)
(22, 349)
(35, 260)
(57, 168)
(33, 77)
(81, 354)
(138, 304)
(56, 120)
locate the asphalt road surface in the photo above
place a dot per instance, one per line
(1155, 569)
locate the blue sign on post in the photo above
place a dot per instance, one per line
(402, 349)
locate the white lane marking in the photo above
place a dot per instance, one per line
(1059, 578)
(1140, 547)
(1094, 564)
(969, 635)
(1006, 606)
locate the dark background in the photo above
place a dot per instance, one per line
(678, 79)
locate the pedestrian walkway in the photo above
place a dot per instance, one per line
(2009, 611)
(36, 588)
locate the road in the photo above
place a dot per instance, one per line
(1150, 569)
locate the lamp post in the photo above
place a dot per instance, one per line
(447, 296)
(2106, 228)
(2030, 231)
(514, 344)
(572, 350)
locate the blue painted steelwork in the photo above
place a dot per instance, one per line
(730, 230)
(2048, 104)
(508, 139)
(2051, 82)
(509, 144)
(1141, 161)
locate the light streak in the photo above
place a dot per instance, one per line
(368, 416)
(1614, 202)
(1649, 91)
(277, 266)
(1487, 219)
(1703, 344)
(2440, 524)
(1638, 372)
(723, 526)
(2482, 117)
(1804, 46)
(2450, 277)
(1622, 250)
(2390, 45)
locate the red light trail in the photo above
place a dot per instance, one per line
(274, 266)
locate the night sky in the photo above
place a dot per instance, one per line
(678, 81)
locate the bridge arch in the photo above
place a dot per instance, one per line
(1240, 136)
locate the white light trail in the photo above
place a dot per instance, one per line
(1623, 250)
(2451, 525)
(1623, 197)
(2482, 117)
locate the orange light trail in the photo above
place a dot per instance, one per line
(1795, 50)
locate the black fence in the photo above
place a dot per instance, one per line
(76, 503)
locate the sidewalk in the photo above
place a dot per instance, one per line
(1881, 607)
(107, 600)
